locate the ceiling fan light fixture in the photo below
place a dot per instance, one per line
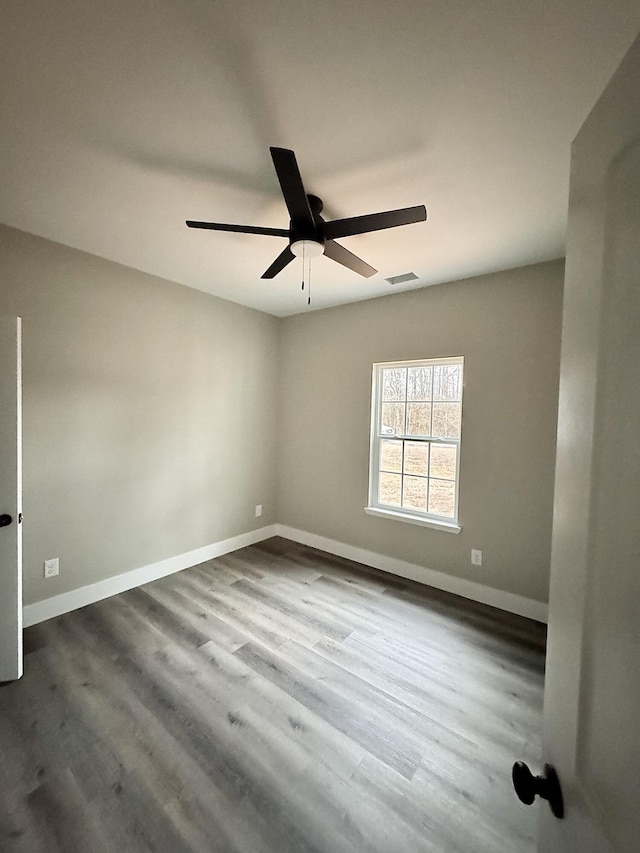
(307, 248)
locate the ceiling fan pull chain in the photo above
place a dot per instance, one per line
(309, 280)
(303, 267)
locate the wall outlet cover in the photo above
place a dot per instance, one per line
(52, 567)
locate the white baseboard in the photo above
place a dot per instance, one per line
(67, 601)
(508, 601)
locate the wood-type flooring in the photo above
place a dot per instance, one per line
(275, 700)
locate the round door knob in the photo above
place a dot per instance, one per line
(5, 520)
(528, 786)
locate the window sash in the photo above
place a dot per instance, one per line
(377, 436)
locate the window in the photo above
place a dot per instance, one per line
(416, 419)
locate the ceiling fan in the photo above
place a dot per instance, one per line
(308, 233)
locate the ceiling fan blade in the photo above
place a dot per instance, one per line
(241, 229)
(285, 257)
(343, 256)
(374, 222)
(295, 198)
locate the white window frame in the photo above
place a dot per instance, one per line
(374, 507)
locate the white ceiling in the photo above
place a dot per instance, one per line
(122, 119)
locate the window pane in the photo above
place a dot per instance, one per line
(392, 418)
(394, 383)
(390, 489)
(391, 456)
(419, 419)
(419, 383)
(414, 495)
(443, 461)
(416, 458)
(447, 384)
(446, 420)
(442, 497)
(415, 442)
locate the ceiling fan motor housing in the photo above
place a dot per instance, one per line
(307, 234)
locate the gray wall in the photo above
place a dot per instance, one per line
(149, 414)
(507, 326)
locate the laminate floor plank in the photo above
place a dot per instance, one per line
(408, 615)
(274, 700)
(232, 719)
(296, 609)
(447, 692)
(168, 685)
(258, 627)
(365, 727)
(403, 718)
(195, 608)
(342, 611)
(275, 621)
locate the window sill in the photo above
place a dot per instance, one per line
(445, 526)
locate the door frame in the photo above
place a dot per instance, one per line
(11, 501)
(610, 129)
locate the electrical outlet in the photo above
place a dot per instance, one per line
(476, 557)
(52, 567)
(258, 510)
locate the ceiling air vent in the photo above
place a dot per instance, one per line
(400, 279)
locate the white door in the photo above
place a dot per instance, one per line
(592, 691)
(10, 500)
